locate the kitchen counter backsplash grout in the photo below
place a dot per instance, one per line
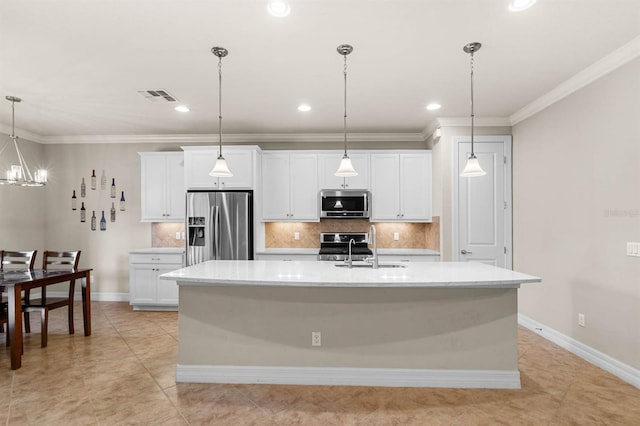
(164, 234)
(411, 235)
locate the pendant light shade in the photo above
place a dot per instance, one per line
(472, 168)
(346, 168)
(18, 171)
(220, 168)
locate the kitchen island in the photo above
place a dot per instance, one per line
(448, 324)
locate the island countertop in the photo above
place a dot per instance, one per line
(327, 274)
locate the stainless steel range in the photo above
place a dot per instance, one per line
(335, 246)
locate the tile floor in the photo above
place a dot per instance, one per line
(125, 374)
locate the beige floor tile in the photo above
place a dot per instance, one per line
(125, 374)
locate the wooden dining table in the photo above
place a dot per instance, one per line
(14, 281)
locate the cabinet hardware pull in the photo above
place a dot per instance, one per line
(463, 251)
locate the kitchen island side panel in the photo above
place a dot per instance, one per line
(409, 328)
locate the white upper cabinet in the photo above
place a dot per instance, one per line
(401, 186)
(162, 186)
(199, 160)
(328, 164)
(289, 187)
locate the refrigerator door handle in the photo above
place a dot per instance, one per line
(211, 228)
(217, 231)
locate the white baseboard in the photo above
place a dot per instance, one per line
(98, 296)
(391, 377)
(595, 357)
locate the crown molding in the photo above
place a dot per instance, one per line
(236, 138)
(478, 122)
(609, 63)
(22, 134)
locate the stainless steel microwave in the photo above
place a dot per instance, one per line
(345, 204)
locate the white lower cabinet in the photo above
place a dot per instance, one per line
(146, 290)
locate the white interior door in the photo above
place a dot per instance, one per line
(484, 203)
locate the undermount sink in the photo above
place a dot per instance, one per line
(369, 265)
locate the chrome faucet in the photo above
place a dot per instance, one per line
(373, 259)
(349, 260)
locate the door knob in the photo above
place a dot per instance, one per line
(463, 251)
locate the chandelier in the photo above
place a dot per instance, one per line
(18, 172)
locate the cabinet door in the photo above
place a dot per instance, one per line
(175, 192)
(304, 187)
(385, 185)
(241, 165)
(152, 187)
(275, 186)
(167, 290)
(415, 186)
(142, 284)
(328, 164)
(197, 165)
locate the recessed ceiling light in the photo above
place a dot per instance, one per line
(520, 5)
(278, 8)
(304, 108)
(181, 108)
(433, 106)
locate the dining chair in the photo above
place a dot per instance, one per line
(13, 260)
(17, 259)
(58, 260)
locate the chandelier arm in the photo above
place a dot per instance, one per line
(23, 164)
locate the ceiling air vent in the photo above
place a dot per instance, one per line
(157, 95)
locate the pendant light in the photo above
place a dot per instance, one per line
(220, 169)
(472, 168)
(20, 174)
(346, 168)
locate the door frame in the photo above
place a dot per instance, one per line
(506, 141)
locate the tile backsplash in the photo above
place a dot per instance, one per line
(164, 234)
(411, 235)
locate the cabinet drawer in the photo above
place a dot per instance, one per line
(164, 258)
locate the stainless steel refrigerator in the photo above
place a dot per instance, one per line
(219, 226)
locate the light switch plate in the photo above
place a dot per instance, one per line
(633, 249)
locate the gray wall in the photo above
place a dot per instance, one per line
(576, 176)
(21, 209)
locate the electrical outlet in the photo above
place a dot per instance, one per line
(177, 235)
(296, 236)
(396, 236)
(316, 338)
(581, 320)
(182, 235)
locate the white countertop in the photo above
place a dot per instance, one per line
(158, 250)
(326, 274)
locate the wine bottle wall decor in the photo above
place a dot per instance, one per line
(94, 200)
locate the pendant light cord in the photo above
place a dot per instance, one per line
(472, 114)
(220, 104)
(345, 106)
